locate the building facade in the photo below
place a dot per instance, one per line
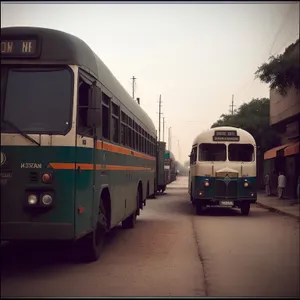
(285, 119)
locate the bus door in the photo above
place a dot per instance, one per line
(88, 114)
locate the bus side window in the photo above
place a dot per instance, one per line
(105, 116)
(193, 157)
(83, 102)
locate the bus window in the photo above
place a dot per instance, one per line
(38, 100)
(115, 122)
(83, 102)
(241, 152)
(105, 117)
(193, 157)
(212, 152)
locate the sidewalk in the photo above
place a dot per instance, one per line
(283, 206)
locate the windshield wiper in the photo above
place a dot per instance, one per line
(26, 136)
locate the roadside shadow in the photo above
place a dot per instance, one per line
(24, 258)
(221, 212)
(231, 212)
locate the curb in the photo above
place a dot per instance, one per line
(272, 209)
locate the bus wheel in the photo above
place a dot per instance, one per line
(91, 246)
(130, 221)
(245, 209)
(199, 208)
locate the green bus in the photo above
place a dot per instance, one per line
(78, 154)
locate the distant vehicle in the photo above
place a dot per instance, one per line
(170, 167)
(166, 167)
(223, 169)
(161, 168)
(78, 154)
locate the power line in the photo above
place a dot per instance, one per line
(251, 81)
(280, 28)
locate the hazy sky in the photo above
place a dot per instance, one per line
(195, 55)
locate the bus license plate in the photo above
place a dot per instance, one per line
(226, 203)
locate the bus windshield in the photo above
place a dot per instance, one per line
(36, 100)
(212, 152)
(241, 152)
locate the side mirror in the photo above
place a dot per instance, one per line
(94, 117)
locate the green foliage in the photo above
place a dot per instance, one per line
(283, 71)
(253, 117)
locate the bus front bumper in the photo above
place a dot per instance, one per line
(225, 202)
(17, 231)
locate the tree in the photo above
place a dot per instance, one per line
(283, 71)
(253, 117)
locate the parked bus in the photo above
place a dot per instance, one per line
(223, 169)
(170, 167)
(78, 154)
(161, 171)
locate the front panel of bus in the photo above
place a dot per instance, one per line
(223, 171)
(37, 136)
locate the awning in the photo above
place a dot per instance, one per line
(273, 152)
(292, 149)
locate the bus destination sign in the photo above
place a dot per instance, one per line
(226, 136)
(19, 48)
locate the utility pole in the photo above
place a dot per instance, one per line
(169, 139)
(232, 104)
(159, 115)
(133, 86)
(178, 151)
(163, 129)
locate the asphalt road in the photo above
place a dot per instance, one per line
(171, 252)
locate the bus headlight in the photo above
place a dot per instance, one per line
(206, 183)
(32, 199)
(246, 184)
(47, 199)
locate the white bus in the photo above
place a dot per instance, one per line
(223, 169)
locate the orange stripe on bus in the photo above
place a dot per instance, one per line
(71, 166)
(122, 150)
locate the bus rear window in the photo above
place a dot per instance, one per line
(241, 152)
(212, 152)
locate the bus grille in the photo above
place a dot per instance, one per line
(33, 176)
(226, 191)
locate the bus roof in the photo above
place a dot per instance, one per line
(59, 47)
(171, 154)
(207, 136)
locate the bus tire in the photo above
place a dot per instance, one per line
(199, 208)
(91, 246)
(245, 209)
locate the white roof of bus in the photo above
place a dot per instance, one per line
(206, 137)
